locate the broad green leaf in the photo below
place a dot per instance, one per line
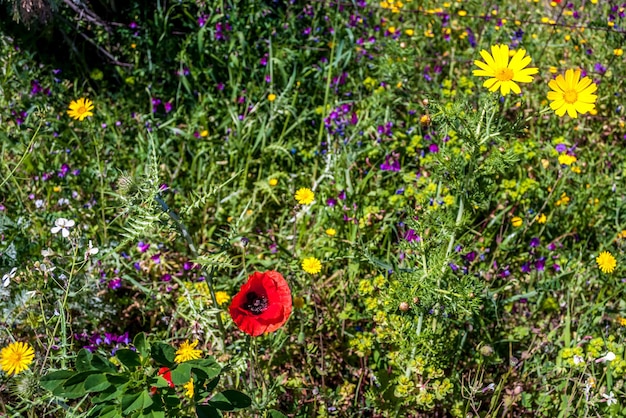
(141, 344)
(74, 387)
(104, 411)
(83, 360)
(207, 411)
(100, 363)
(276, 414)
(54, 379)
(96, 383)
(181, 374)
(163, 354)
(229, 400)
(128, 358)
(136, 401)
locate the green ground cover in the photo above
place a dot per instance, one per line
(435, 188)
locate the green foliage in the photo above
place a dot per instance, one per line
(128, 385)
(458, 231)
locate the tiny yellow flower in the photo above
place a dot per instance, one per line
(187, 352)
(273, 182)
(133, 46)
(621, 321)
(311, 265)
(331, 232)
(516, 221)
(409, 32)
(16, 357)
(305, 196)
(80, 109)
(542, 219)
(565, 159)
(189, 388)
(271, 97)
(221, 297)
(56, 189)
(606, 262)
(204, 133)
(462, 13)
(618, 52)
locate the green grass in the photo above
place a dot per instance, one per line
(476, 316)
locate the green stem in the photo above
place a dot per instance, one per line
(30, 144)
(102, 201)
(208, 274)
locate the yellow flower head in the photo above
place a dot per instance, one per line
(331, 232)
(572, 94)
(221, 297)
(542, 219)
(80, 109)
(16, 357)
(271, 97)
(189, 388)
(311, 265)
(566, 159)
(273, 182)
(187, 352)
(517, 221)
(606, 262)
(305, 196)
(504, 74)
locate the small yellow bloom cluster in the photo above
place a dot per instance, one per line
(565, 159)
(516, 221)
(392, 5)
(563, 200)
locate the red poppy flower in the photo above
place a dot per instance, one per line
(263, 303)
(167, 375)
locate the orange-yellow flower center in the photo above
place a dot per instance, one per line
(570, 96)
(81, 110)
(504, 74)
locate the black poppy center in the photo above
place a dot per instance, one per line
(256, 304)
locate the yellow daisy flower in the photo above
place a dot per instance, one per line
(311, 265)
(271, 97)
(16, 357)
(331, 232)
(606, 262)
(305, 196)
(187, 352)
(504, 74)
(572, 94)
(80, 109)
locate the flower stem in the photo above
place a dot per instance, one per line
(208, 274)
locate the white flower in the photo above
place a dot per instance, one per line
(6, 279)
(610, 398)
(578, 359)
(91, 251)
(39, 203)
(610, 356)
(62, 225)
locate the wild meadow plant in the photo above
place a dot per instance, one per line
(322, 209)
